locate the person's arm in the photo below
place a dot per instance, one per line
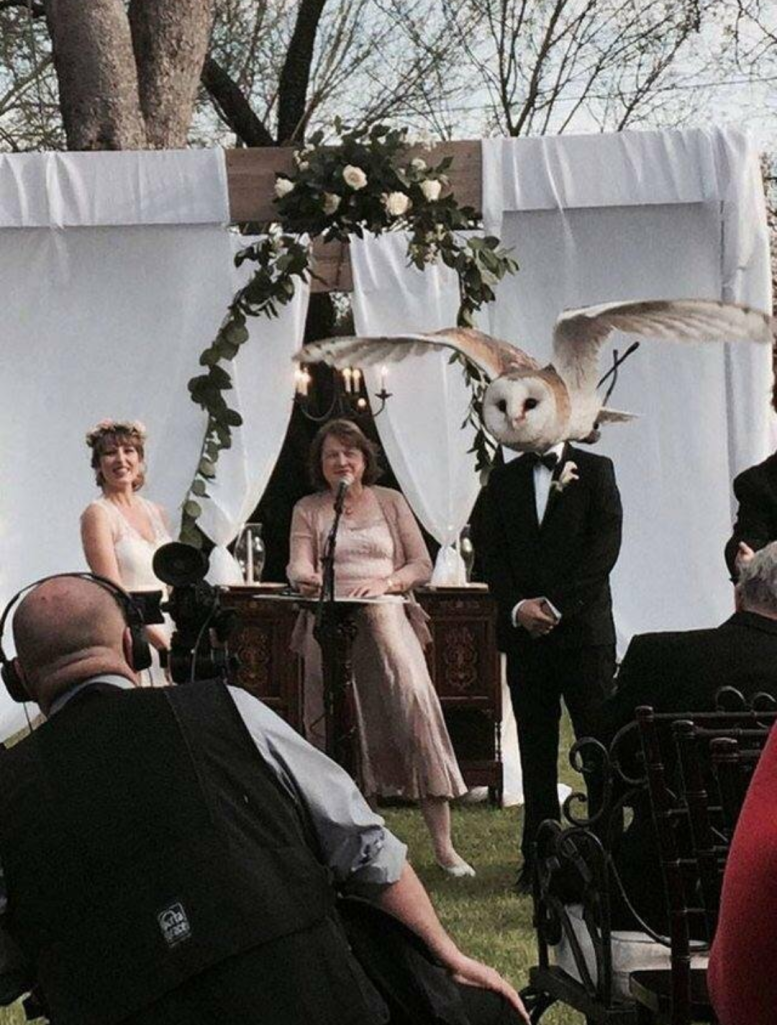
(599, 549)
(97, 542)
(417, 568)
(365, 858)
(408, 901)
(351, 839)
(753, 527)
(303, 570)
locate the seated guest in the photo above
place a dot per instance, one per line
(741, 977)
(405, 750)
(170, 855)
(682, 672)
(756, 524)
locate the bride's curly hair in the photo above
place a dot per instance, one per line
(109, 433)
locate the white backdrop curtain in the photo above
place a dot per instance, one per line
(637, 216)
(263, 378)
(420, 427)
(116, 272)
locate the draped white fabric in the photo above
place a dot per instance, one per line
(106, 318)
(263, 378)
(420, 427)
(636, 216)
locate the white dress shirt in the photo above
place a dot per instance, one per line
(543, 477)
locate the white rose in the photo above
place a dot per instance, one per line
(397, 204)
(418, 164)
(283, 187)
(355, 177)
(331, 203)
(431, 190)
(303, 165)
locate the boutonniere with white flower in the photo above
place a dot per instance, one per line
(567, 475)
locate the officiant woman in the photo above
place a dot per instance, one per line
(405, 750)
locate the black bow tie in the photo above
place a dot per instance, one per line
(548, 459)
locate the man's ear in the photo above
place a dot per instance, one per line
(126, 646)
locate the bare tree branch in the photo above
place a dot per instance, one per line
(295, 76)
(234, 109)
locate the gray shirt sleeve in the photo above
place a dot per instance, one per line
(355, 843)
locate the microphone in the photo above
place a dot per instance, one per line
(342, 487)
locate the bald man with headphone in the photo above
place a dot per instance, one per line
(172, 854)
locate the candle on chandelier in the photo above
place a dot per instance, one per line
(357, 379)
(347, 377)
(383, 376)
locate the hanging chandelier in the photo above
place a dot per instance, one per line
(350, 397)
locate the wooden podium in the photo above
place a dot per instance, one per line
(463, 663)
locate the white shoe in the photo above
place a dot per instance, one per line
(459, 869)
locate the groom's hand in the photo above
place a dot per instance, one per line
(535, 616)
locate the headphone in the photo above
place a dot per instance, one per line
(140, 655)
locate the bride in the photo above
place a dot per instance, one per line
(121, 531)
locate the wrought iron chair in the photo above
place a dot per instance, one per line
(577, 879)
(693, 841)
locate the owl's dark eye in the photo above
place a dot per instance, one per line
(502, 405)
(530, 404)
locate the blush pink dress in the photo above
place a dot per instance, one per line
(405, 748)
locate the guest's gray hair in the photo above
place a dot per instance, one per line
(757, 586)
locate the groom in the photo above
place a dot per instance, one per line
(551, 536)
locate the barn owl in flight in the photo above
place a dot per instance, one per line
(528, 407)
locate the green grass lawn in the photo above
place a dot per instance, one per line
(485, 917)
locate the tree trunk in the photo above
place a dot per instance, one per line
(98, 86)
(170, 39)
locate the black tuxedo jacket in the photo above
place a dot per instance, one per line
(566, 559)
(682, 672)
(756, 525)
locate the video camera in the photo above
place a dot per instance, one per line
(199, 648)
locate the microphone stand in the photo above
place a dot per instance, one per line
(327, 593)
(335, 632)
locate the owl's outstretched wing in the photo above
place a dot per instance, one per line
(491, 356)
(579, 334)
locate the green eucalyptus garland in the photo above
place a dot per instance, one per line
(368, 182)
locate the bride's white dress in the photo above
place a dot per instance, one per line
(134, 557)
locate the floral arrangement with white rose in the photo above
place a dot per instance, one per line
(371, 180)
(374, 180)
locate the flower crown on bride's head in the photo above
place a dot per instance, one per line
(132, 428)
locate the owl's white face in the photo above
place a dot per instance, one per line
(522, 413)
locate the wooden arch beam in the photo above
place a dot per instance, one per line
(251, 178)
